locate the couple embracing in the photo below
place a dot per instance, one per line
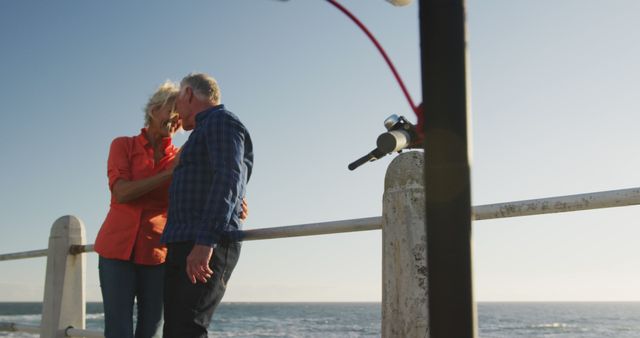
(170, 239)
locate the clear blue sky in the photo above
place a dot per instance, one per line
(554, 87)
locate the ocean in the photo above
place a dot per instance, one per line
(495, 320)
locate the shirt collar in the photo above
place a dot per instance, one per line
(142, 139)
(205, 113)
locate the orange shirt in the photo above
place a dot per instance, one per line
(132, 230)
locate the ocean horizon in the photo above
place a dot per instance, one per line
(362, 319)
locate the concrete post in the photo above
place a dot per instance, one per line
(64, 291)
(404, 252)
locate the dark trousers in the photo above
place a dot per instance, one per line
(123, 281)
(188, 307)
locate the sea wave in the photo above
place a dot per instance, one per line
(95, 316)
(552, 326)
(496, 320)
(21, 319)
(17, 335)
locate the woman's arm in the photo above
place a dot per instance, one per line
(126, 191)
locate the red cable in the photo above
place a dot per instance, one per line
(381, 50)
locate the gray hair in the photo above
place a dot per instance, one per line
(164, 96)
(204, 87)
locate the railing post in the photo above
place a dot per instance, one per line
(404, 251)
(64, 290)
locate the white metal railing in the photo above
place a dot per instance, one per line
(64, 309)
(596, 200)
(567, 203)
(312, 229)
(24, 254)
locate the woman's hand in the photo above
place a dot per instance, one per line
(245, 209)
(176, 160)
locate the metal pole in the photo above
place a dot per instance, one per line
(549, 205)
(447, 183)
(25, 254)
(312, 229)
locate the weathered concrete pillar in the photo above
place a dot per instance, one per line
(64, 290)
(404, 252)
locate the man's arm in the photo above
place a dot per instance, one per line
(225, 148)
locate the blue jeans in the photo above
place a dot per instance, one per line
(122, 282)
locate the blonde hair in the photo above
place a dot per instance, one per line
(164, 96)
(204, 87)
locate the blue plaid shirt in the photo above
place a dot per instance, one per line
(205, 198)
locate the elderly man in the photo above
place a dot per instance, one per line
(205, 204)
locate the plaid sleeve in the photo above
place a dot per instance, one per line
(118, 163)
(225, 149)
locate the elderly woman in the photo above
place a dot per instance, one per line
(130, 254)
(131, 257)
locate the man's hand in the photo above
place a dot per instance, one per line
(245, 209)
(198, 263)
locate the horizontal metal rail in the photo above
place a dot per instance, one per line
(25, 254)
(68, 332)
(76, 249)
(312, 229)
(596, 200)
(309, 229)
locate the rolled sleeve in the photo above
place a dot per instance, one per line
(118, 164)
